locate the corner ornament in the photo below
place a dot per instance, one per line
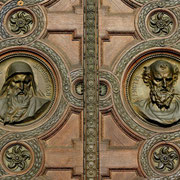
(165, 159)
(17, 158)
(21, 22)
(160, 24)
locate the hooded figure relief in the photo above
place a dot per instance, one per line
(163, 104)
(19, 98)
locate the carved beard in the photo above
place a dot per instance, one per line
(161, 98)
(17, 103)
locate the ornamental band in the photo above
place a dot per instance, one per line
(19, 98)
(163, 104)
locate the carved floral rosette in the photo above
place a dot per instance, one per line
(17, 158)
(159, 19)
(159, 156)
(20, 159)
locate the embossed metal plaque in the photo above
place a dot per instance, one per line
(26, 90)
(153, 90)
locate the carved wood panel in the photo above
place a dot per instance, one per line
(89, 89)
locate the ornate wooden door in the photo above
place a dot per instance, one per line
(89, 89)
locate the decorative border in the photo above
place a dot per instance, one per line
(91, 101)
(42, 47)
(170, 2)
(25, 2)
(155, 5)
(121, 66)
(38, 158)
(36, 33)
(148, 145)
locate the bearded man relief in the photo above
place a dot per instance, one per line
(163, 104)
(19, 98)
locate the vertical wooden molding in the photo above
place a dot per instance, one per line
(91, 102)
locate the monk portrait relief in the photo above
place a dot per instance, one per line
(19, 99)
(163, 103)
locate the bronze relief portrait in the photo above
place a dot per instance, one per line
(22, 99)
(154, 92)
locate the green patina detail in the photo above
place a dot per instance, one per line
(17, 158)
(26, 2)
(20, 22)
(160, 24)
(165, 158)
(91, 119)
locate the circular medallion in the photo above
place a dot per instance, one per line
(160, 23)
(160, 159)
(27, 89)
(17, 158)
(20, 21)
(153, 90)
(164, 159)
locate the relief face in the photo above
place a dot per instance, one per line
(21, 98)
(160, 100)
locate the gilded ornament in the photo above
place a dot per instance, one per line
(20, 3)
(162, 105)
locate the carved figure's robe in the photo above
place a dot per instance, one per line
(36, 106)
(165, 116)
